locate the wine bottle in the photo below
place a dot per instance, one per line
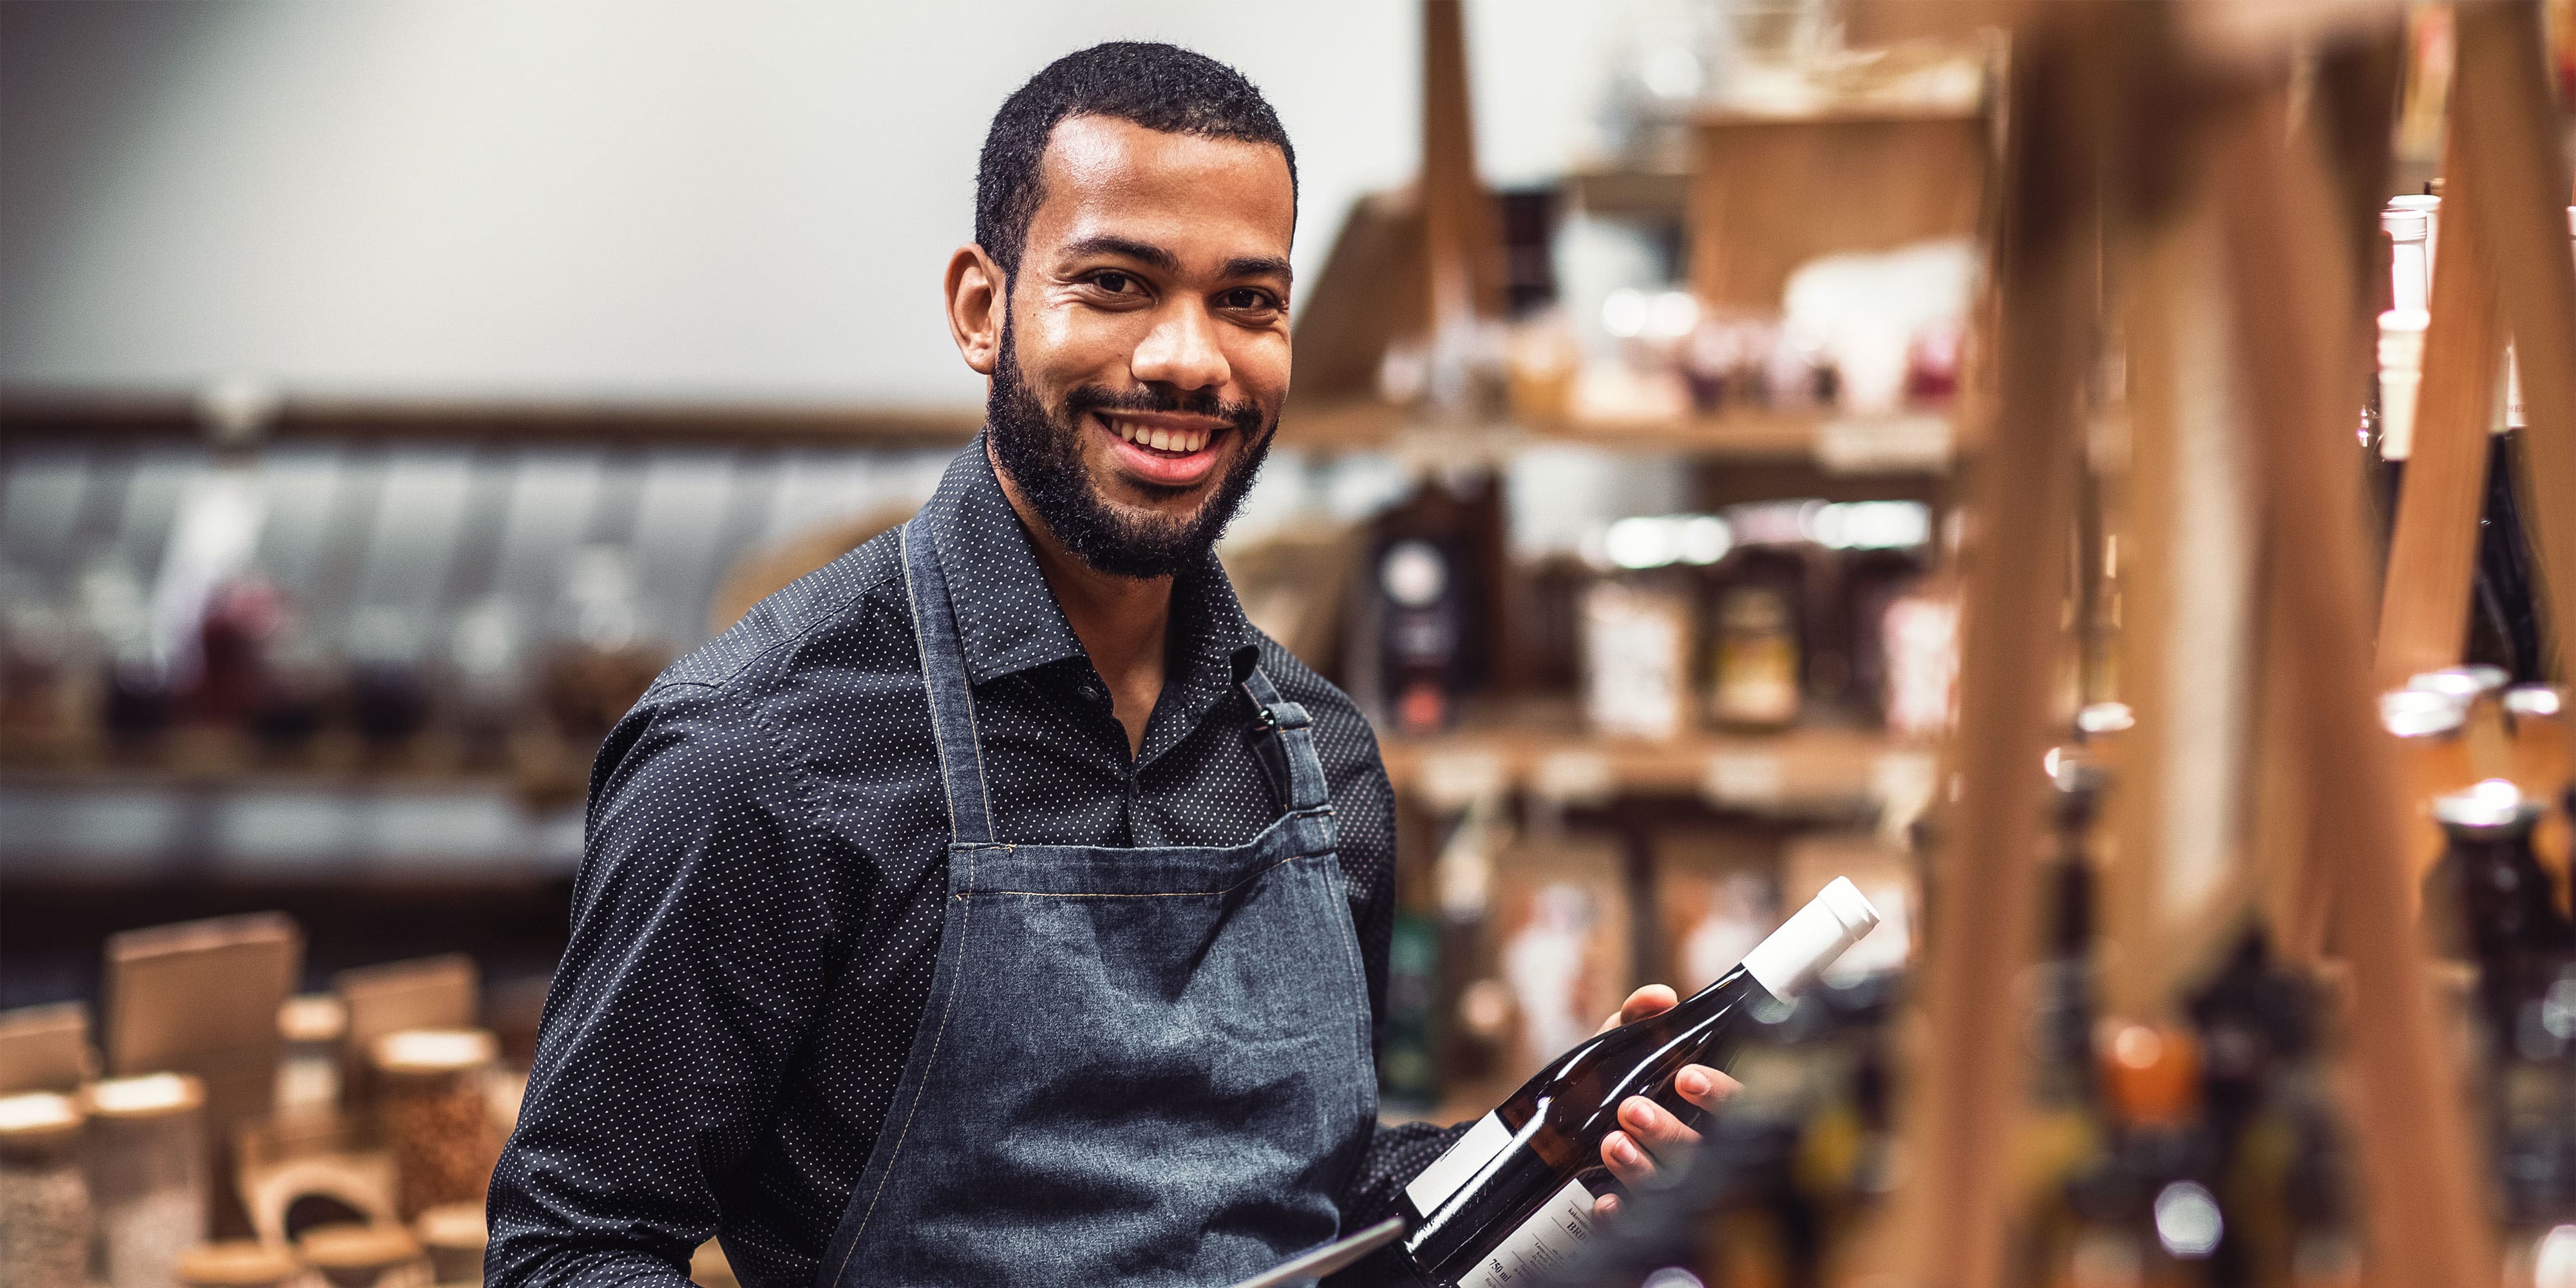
(1515, 1194)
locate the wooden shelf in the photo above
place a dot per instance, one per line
(1796, 772)
(539, 766)
(1914, 442)
(26, 415)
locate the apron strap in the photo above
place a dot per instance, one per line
(1293, 736)
(952, 699)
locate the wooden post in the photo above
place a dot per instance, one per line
(2501, 106)
(2423, 1194)
(1462, 254)
(1951, 1228)
(2432, 553)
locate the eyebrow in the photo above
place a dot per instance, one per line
(1141, 252)
(1258, 266)
(1149, 253)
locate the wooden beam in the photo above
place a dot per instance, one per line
(1462, 244)
(2432, 553)
(1952, 1220)
(2502, 102)
(2423, 1193)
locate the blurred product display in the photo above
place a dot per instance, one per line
(1654, 522)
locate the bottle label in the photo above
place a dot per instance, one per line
(1475, 1149)
(1553, 1235)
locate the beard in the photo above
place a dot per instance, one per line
(1041, 450)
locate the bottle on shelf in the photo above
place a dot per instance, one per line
(2488, 901)
(1517, 1192)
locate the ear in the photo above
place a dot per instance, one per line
(975, 302)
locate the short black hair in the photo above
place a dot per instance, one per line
(1158, 86)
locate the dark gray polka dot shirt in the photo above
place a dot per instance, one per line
(758, 910)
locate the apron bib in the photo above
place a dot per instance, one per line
(1146, 1066)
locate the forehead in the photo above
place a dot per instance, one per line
(1188, 193)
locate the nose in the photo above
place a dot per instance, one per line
(1182, 351)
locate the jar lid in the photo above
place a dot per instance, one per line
(2099, 718)
(37, 1119)
(435, 1050)
(2527, 700)
(235, 1263)
(150, 1095)
(2493, 805)
(354, 1245)
(312, 1017)
(2421, 713)
(453, 1225)
(2470, 682)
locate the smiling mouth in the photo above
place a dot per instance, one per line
(1163, 442)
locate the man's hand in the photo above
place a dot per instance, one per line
(1648, 1130)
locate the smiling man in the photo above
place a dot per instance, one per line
(996, 905)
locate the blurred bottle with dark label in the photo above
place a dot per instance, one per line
(1432, 587)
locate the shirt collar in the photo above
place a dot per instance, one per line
(1008, 621)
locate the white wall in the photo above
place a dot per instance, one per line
(647, 198)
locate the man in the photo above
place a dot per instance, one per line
(996, 905)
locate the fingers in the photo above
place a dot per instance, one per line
(1631, 1164)
(1704, 1086)
(1605, 1207)
(1646, 1130)
(1653, 999)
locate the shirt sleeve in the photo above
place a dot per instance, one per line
(697, 963)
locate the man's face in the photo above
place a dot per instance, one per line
(1144, 353)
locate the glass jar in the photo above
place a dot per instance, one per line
(148, 1174)
(455, 1235)
(436, 1113)
(44, 1199)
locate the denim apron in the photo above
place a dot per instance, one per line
(1140, 1066)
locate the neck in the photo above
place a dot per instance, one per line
(1121, 621)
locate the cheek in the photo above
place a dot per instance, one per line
(1073, 346)
(1260, 362)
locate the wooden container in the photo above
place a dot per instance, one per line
(436, 1114)
(354, 1255)
(148, 1175)
(1767, 194)
(439, 992)
(201, 998)
(44, 1199)
(238, 1263)
(45, 1048)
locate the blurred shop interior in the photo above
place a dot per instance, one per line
(388, 392)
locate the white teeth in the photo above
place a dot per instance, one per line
(1162, 440)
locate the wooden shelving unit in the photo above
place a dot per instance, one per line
(1798, 772)
(36, 415)
(1915, 441)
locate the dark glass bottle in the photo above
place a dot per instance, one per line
(2488, 900)
(1516, 1193)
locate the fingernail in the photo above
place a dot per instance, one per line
(1627, 1152)
(1692, 1082)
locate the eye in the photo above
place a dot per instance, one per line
(1113, 281)
(1246, 299)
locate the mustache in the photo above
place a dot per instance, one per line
(1245, 416)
